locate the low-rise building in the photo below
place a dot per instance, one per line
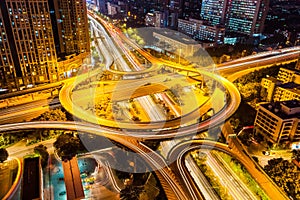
(202, 30)
(269, 85)
(189, 27)
(176, 42)
(287, 75)
(283, 88)
(288, 91)
(279, 122)
(298, 63)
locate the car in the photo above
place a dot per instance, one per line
(266, 153)
(62, 193)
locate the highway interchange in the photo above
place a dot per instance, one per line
(176, 187)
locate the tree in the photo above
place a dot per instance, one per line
(3, 155)
(285, 174)
(296, 155)
(53, 115)
(42, 151)
(131, 192)
(67, 146)
(255, 159)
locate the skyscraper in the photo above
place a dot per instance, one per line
(70, 26)
(246, 16)
(214, 11)
(191, 9)
(175, 12)
(27, 46)
(239, 16)
(7, 69)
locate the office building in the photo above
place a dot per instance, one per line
(189, 27)
(112, 9)
(154, 19)
(214, 34)
(70, 26)
(279, 122)
(202, 30)
(191, 9)
(214, 11)
(175, 8)
(246, 17)
(28, 54)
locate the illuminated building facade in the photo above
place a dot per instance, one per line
(285, 92)
(28, 54)
(70, 24)
(201, 30)
(214, 11)
(288, 75)
(176, 42)
(246, 16)
(8, 71)
(279, 122)
(213, 34)
(154, 19)
(269, 85)
(189, 27)
(283, 88)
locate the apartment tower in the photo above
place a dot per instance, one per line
(27, 55)
(70, 26)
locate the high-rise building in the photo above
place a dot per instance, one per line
(69, 20)
(28, 55)
(191, 9)
(175, 12)
(246, 16)
(8, 71)
(154, 19)
(214, 11)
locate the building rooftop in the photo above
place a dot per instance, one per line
(284, 109)
(273, 79)
(180, 37)
(291, 104)
(294, 70)
(290, 85)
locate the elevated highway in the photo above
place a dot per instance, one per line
(179, 152)
(168, 180)
(226, 101)
(174, 184)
